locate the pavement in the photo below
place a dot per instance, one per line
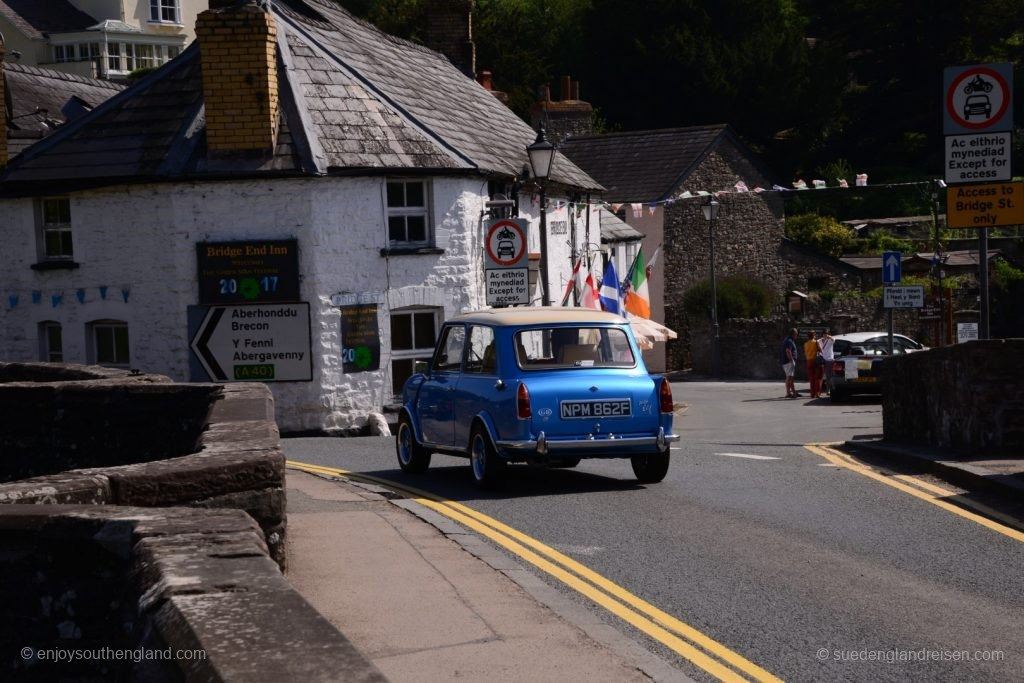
(1003, 476)
(426, 600)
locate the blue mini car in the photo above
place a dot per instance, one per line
(539, 385)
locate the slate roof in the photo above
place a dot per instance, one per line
(38, 97)
(614, 229)
(353, 99)
(644, 166)
(39, 18)
(961, 259)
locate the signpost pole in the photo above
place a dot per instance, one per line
(983, 331)
(888, 315)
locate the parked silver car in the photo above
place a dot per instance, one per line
(858, 358)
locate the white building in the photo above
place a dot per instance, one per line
(364, 159)
(97, 38)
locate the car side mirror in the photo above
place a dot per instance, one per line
(420, 367)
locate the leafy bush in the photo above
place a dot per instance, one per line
(738, 297)
(823, 233)
(883, 240)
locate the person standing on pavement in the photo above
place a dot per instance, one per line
(827, 353)
(811, 361)
(788, 359)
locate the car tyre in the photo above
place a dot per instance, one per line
(413, 457)
(835, 396)
(650, 469)
(485, 464)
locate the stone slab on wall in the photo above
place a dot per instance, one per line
(56, 418)
(175, 579)
(966, 397)
(235, 460)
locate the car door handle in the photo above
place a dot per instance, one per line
(499, 385)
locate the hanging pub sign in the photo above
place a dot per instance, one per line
(360, 338)
(248, 272)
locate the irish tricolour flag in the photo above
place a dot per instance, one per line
(638, 301)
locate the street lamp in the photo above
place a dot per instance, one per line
(710, 209)
(542, 156)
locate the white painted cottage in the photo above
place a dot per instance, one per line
(293, 156)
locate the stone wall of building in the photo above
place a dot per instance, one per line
(150, 279)
(967, 397)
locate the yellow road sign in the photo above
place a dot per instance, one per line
(983, 206)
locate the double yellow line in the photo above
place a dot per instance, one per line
(684, 640)
(936, 495)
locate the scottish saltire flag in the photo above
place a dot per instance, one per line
(610, 290)
(638, 301)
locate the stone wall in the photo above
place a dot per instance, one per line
(234, 459)
(71, 421)
(156, 595)
(967, 397)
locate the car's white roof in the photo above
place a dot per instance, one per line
(537, 315)
(864, 336)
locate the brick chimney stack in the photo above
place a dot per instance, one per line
(449, 31)
(568, 117)
(238, 50)
(3, 108)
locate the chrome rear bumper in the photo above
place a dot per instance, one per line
(542, 446)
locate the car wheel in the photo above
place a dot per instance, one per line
(835, 396)
(487, 467)
(412, 455)
(650, 469)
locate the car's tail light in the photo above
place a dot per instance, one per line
(838, 367)
(665, 397)
(523, 411)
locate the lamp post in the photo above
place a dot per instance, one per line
(710, 209)
(542, 154)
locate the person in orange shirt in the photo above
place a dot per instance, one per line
(813, 369)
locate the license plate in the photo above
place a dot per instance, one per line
(581, 410)
(864, 379)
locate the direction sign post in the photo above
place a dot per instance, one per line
(907, 296)
(891, 267)
(259, 343)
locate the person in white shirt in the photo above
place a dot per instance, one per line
(825, 343)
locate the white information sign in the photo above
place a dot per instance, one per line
(261, 343)
(907, 296)
(966, 332)
(507, 286)
(977, 157)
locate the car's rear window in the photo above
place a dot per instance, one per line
(573, 347)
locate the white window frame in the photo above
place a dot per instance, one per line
(93, 331)
(47, 352)
(417, 352)
(164, 11)
(45, 229)
(405, 211)
(67, 52)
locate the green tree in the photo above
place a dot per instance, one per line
(823, 233)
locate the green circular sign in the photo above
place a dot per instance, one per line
(249, 288)
(363, 357)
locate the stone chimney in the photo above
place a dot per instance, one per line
(449, 30)
(485, 79)
(565, 118)
(3, 108)
(238, 50)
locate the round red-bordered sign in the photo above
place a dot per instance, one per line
(506, 243)
(967, 96)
